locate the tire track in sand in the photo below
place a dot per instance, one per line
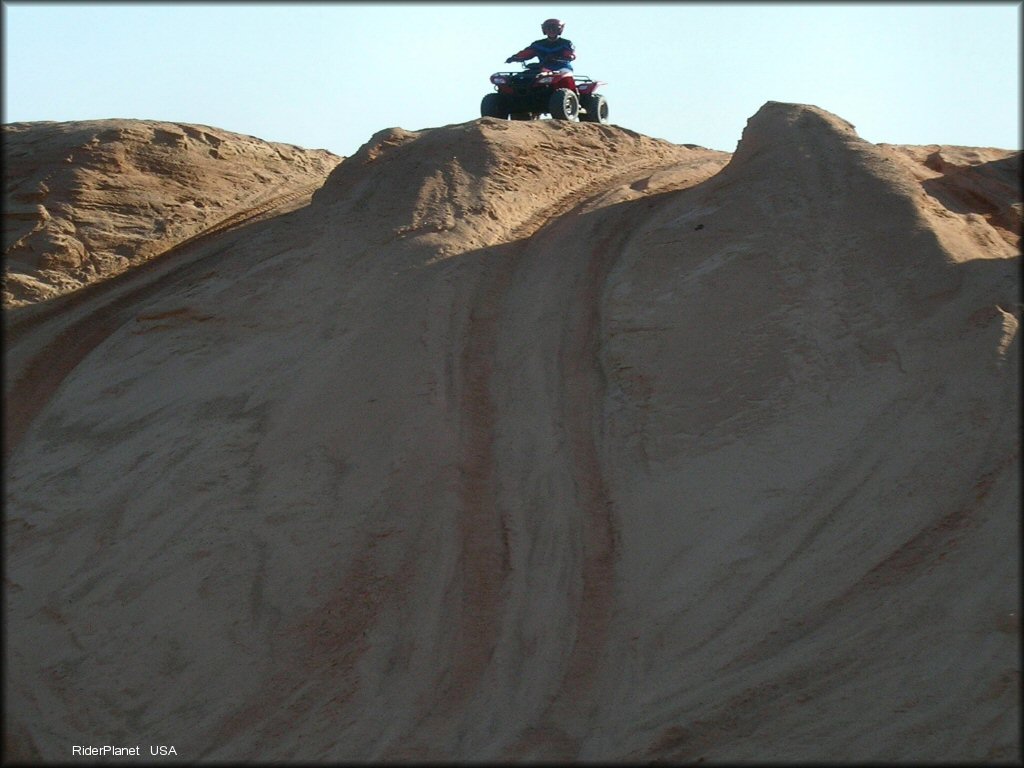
(485, 556)
(561, 728)
(482, 528)
(484, 546)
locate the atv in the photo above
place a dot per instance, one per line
(538, 91)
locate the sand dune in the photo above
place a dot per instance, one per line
(537, 441)
(86, 201)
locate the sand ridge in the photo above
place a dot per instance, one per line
(88, 200)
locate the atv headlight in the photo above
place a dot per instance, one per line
(545, 80)
(499, 79)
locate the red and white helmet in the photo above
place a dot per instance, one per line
(553, 25)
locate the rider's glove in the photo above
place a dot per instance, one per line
(510, 59)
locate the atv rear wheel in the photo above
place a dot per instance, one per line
(596, 107)
(491, 106)
(564, 105)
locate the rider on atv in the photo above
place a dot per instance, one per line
(546, 87)
(554, 52)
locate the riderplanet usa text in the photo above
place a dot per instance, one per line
(108, 750)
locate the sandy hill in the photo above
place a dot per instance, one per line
(85, 201)
(534, 441)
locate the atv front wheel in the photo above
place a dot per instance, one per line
(564, 105)
(523, 116)
(492, 106)
(596, 108)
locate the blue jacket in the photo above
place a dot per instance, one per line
(552, 55)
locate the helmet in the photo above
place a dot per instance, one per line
(553, 25)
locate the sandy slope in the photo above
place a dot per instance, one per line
(541, 441)
(85, 201)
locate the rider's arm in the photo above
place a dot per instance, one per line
(523, 55)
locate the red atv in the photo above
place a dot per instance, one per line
(537, 91)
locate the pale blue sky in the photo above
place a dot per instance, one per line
(329, 75)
